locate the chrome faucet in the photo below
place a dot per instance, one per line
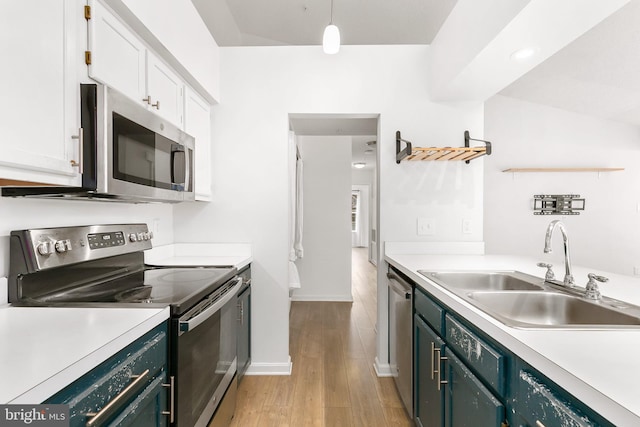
(568, 276)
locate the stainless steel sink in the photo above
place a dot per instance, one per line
(485, 280)
(548, 309)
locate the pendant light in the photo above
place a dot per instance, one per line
(331, 37)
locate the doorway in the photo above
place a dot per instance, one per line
(338, 154)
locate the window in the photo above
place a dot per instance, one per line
(355, 207)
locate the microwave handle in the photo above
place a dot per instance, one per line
(176, 167)
(187, 170)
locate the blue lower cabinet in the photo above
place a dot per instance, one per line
(128, 389)
(468, 403)
(428, 395)
(541, 404)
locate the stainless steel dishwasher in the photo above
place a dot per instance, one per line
(400, 336)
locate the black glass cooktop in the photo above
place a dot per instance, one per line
(180, 288)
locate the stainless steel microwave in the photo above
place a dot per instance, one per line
(128, 153)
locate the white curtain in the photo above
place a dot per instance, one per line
(295, 210)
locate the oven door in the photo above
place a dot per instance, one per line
(204, 355)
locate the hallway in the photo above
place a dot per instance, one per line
(332, 345)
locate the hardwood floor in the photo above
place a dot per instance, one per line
(332, 345)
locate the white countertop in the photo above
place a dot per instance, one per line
(600, 368)
(42, 350)
(200, 254)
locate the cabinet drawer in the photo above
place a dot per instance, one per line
(540, 406)
(487, 362)
(91, 392)
(431, 312)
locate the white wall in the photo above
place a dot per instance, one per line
(362, 176)
(20, 214)
(325, 269)
(260, 87)
(606, 235)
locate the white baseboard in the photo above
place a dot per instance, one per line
(382, 369)
(322, 298)
(270, 368)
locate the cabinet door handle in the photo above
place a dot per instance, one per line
(147, 99)
(157, 105)
(440, 381)
(96, 418)
(172, 399)
(79, 164)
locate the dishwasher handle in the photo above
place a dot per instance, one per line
(399, 286)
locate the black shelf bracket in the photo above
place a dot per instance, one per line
(467, 138)
(402, 153)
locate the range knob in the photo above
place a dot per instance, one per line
(44, 248)
(140, 236)
(151, 235)
(63, 245)
(133, 237)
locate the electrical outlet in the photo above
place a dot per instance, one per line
(426, 226)
(466, 226)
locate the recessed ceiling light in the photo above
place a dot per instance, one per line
(523, 54)
(368, 151)
(359, 165)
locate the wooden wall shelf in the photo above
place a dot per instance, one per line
(465, 153)
(563, 170)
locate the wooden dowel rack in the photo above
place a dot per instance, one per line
(465, 153)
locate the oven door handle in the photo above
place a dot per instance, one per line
(191, 324)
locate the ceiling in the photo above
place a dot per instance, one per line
(362, 129)
(302, 22)
(598, 74)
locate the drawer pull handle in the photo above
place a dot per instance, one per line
(539, 424)
(97, 418)
(172, 399)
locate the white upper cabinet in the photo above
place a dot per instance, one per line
(39, 90)
(118, 57)
(165, 90)
(198, 125)
(120, 60)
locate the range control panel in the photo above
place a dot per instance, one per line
(54, 247)
(105, 240)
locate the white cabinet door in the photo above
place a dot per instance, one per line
(198, 124)
(165, 90)
(39, 90)
(117, 55)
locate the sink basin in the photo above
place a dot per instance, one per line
(485, 280)
(535, 309)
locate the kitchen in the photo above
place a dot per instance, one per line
(262, 86)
